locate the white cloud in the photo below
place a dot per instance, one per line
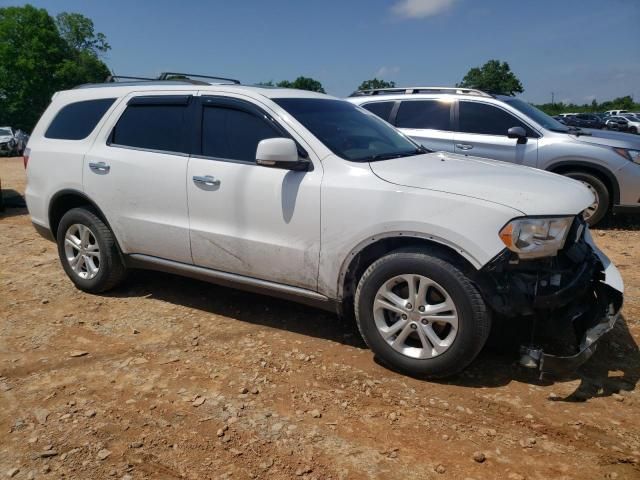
(421, 8)
(387, 71)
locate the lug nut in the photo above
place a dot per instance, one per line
(414, 326)
(421, 308)
(404, 317)
(424, 321)
(409, 306)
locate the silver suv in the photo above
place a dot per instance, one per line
(472, 122)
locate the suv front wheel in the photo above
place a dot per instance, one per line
(88, 251)
(420, 314)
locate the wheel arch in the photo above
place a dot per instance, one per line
(374, 247)
(599, 171)
(64, 200)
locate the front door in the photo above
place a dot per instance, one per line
(247, 219)
(482, 132)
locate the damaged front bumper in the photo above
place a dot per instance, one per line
(569, 301)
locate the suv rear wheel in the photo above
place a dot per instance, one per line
(599, 208)
(88, 251)
(420, 314)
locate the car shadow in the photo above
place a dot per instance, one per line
(614, 367)
(240, 305)
(13, 204)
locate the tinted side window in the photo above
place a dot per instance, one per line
(77, 120)
(381, 109)
(431, 114)
(233, 134)
(153, 127)
(487, 119)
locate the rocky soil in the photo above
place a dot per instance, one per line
(169, 378)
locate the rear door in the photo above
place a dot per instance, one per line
(427, 121)
(482, 132)
(136, 172)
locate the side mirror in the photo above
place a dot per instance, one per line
(519, 133)
(280, 153)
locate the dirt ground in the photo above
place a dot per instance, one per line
(173, 378)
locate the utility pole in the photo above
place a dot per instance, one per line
(553, 96)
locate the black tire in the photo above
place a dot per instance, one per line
(633, 130)
(604, 197)
(474, 320)
(111, 271)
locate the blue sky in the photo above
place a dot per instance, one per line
(579, 49)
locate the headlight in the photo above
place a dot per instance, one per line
(536, 237)
(633, 155)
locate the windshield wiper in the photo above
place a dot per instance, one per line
(387, 156)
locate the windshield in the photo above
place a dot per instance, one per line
(5, 131)
(538, 116)
(349, 131)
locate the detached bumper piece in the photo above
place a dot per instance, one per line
(562, 303)
(559, 365)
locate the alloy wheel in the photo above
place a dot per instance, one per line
(82, 251)
(591, 209)
(416, 316)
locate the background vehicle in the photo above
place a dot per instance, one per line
(618, 123)
(8, 142)
(468, 121)
(615, 112)
(633, 122)
(21, 141)
(304, 196)
(584, 120)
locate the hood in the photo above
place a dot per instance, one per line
(608, 138)
(529, 190)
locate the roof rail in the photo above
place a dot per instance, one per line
(173, 76)
(187, 76)
(414, 90)
(119, 78)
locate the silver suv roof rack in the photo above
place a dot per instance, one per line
(174, 77)
(414, 90)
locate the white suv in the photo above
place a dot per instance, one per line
(308, 197)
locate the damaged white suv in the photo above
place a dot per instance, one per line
(304, 196)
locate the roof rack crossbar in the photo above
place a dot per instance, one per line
(117, 78)
(168, 75)
(413, 90)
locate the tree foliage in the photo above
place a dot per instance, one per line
(39, 56)
(302, 83)
(493, 77)
(376, 83)
(78, 31)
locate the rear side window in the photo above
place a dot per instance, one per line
(427, 114)
(152, 126)
(381, 109)
(77, 120)
(233, 134)
(487, 120)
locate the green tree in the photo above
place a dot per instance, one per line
(376, 83)
(493, 77)
(302, 83)
(78, 31)
(36, 61)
